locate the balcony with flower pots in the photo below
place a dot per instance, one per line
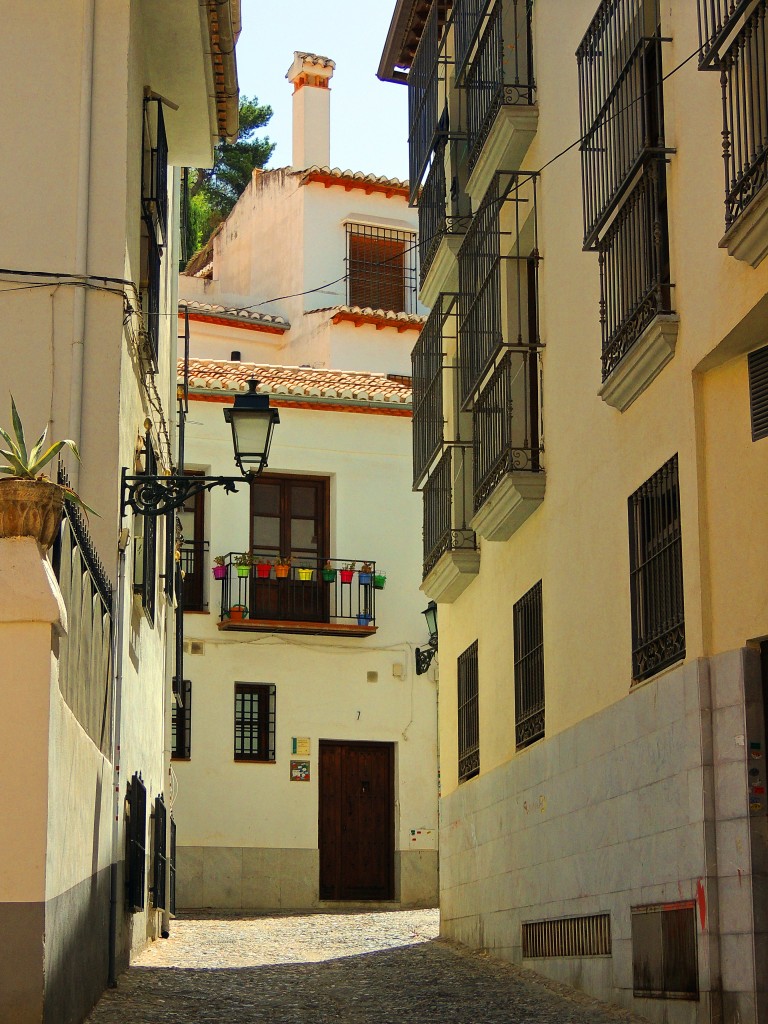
(330, 597)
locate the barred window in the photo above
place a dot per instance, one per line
(381, 268)
(529, 668)
(254, 722)
(136, 842)
(181, 721)
(656, 573)
(469, 731)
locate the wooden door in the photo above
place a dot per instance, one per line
(357, 817)
(289, 518)
(192, 517)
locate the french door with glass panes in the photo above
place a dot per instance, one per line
(289, 519)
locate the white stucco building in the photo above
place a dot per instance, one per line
(305, 745)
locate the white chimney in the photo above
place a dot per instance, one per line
(310, 74)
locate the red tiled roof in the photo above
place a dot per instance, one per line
(302, 383)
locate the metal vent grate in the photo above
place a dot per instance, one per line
(568, 936)
(758, 392)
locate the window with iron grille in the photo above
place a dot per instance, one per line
(529, 668)
(172, 869)
(159, 858)
(151, 280)
(145, 546)
(254, 722)
(427, 378)
(136, 842)
(381, 268)
(664, 955)
(758, 392)
(656, 573)
(154, 169)
(181, 721)
(737, 47)
(623, 163)
(469, 721)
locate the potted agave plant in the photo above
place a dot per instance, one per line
(31, 504)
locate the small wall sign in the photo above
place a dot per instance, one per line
(300, 771)
(300, 746)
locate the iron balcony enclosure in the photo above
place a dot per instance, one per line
(496, 69)
(427, 375)
(312, 596)
(719, 21)
(506, 436)
(445, 518)
(498, 280)
(620, 104)
(427, 84)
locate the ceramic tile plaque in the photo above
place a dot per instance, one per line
(299, 771)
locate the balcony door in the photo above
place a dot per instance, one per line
(289, 518)
(194, 548)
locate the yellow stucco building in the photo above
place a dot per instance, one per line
(590, 396)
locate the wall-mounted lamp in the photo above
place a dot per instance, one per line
(424, 655)
(252, 421)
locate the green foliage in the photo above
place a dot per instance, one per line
(214, 191)
(24, 465)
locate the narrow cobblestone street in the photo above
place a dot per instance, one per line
(352, 968)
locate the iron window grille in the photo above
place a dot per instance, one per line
(145, 545)
(589, 935)
(656, 573)
(254, 722)
(505, 424)
(744, 82)
(427, 82)
(154, 170)
(718, 20)
(181, 721)
(498, 279)
(633, 257)
(529, 667)
(757, 363)
(159, 859)
(427, 378)
(500, 71)
(664, 954)
(623, 163)
(469, 721)
(433, 217)
(151, 284)
(172, 870)
(468, 16)
(445, 521)
(381, 268)
(136, 843)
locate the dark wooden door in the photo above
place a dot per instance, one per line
(192, 517)
(357, 819)
(289, 518)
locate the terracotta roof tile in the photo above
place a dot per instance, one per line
(233, 313)
(300, 382)
(358, 177)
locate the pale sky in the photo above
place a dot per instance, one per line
(369, 119)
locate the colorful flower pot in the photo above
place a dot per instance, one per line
(281, 571)
(306, 574)
(363, 620)
(346, 575)
(243, 570)
(365, 579)
(263, 569)
(219, 572)
(379, 580)
(329, 575)
(238, 611)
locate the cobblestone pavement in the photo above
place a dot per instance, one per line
(351, 968)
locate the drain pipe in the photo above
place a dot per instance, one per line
(74, 428)
(117, 700)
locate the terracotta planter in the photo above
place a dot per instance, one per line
(31, 508)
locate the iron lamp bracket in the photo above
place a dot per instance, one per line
(157, 495)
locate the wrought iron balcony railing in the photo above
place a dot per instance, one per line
(498, 278)
(620, 104)
(445, 526)
(433, 216)
(427, 376)
(307, 591)
(506, 429)
(744, 73)
(718, 21)
(427, 80)
(634, 267)
(500, 71)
